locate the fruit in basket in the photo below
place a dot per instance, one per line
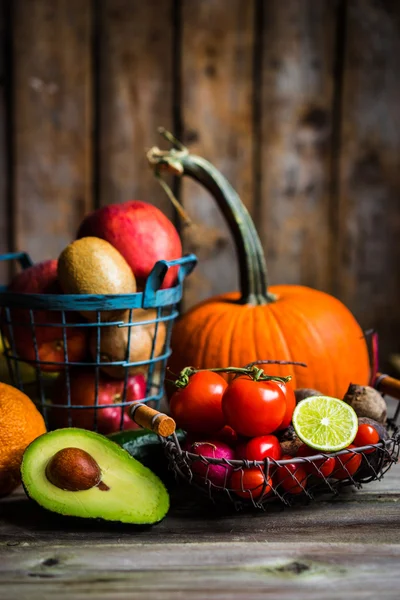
(289, 441)
(197, 407)
(217, 474)
(253, 408)
(140, 232)
(381, 429)
(320, 467)
(285, 322)
(324, 423)
(251, 484)
(290, 400)
(347, 464)
(366, 435)
(140, 336)
(259, 448)
(303, 393)
(20, 424)
(367, 402)
(83, 393)
(93, 266)
(41, 278)
(80, 473)
(291, 477)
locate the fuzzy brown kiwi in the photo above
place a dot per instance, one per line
(114, 343)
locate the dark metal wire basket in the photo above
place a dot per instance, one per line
(24, 318)
(286, 481)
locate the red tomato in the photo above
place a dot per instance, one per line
(290, 404)
(253, 408)
(226, 435)
(249, 483)
(346, 464)
(292, 477)
(197, 407)
(264, 446)
(366, 436)
(320, 468)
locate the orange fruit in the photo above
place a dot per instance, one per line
(20, 424)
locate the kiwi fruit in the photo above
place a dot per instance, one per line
(114, 340)
(91, 265)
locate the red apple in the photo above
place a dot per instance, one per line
(41, 278)
(141, 233)
(83, 390)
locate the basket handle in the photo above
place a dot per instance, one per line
(185, 266)
(152, 419)
(387, 385)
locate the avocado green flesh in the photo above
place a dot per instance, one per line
(135, 495)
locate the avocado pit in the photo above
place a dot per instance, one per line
(73, 470)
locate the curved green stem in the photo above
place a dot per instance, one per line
(253, 271)
(252, 372)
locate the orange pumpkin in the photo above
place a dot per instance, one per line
(283, 322)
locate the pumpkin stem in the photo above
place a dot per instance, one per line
(253, 270)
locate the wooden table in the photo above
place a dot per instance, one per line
(346, 547)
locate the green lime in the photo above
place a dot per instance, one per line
(325, 423)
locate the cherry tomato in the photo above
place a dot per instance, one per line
(253, 408)
(366, 436)
(264, 446)
(292, 477)
(320, 468)
(249, 483)
(196, 408)
(290, 398)
(226, 435)
(346, 464)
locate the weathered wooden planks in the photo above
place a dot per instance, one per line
(167, 571)
(136, 95)
(52, 122)
(368, 277)
(4, 157)
(217, 117)
(298, 51)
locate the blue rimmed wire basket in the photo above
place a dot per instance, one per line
(50, 383)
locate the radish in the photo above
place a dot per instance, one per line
(219, 474)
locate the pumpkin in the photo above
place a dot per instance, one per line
(282, 322)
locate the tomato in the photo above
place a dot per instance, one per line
(366, 436)
(226, 435)
(196, 408)
(253, 408)
(264, 446)
(290, 404)
(249, 483)
(320, 468)
(292, 477)
(346, 464)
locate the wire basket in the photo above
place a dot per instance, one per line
(55, 355)
(258, 484)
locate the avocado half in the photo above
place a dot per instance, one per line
(130, 492)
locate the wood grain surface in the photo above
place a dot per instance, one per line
(5, 238)
(52, 120)
(135, 97)
(217, 118)
(332, 548)
(369, 194)
(297, 106)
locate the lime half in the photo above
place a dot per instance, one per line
(325, 423)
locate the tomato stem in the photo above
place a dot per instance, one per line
(252, 372)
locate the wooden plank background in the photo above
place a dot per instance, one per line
(296, 102)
